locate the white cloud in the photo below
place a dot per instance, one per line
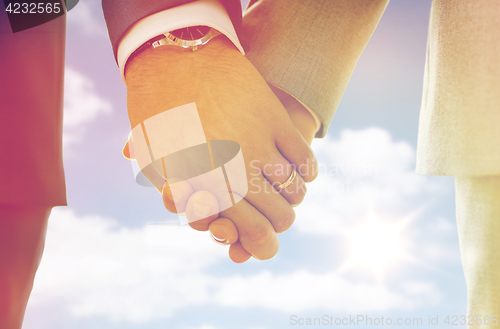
(304, 291)
(361, 171)
(82, 104)
(84, 16)
(95, 267)
(438, 241)
(100, 268)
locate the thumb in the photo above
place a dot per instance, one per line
(202, 209)
(175, 197)
(127, 150)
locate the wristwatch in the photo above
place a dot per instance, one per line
(189, 37)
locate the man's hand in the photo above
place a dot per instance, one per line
(234, 103)
(222, 229)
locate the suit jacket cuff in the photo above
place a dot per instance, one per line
(317, 121)
(310, 48)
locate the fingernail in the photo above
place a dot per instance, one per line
(201, 210)
(218, 240)
(176, 195)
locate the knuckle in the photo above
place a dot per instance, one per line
(308, 167)
(314, 172)
(296, 193)
(258, 235)
(200, 225)
(268, 255)
(286, 220)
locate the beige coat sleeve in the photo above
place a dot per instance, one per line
(309, 48)
(459, 130)
(478, 214)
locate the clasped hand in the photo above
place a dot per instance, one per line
(234, 103)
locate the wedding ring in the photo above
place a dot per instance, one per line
(288, 181)
(223, 242)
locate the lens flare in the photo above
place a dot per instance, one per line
(376, 244)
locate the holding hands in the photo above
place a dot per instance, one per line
(234, 103)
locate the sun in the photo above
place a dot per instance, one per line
(376, 244)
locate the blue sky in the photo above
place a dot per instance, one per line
(372, 238)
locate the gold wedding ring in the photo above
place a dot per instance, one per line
(288, 181)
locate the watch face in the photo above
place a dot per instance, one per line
(191, 33)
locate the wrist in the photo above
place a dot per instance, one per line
(300, 116)
(166, 77)
(150, 60)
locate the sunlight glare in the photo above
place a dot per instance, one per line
(376, 244)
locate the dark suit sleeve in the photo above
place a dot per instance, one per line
(31, 106)
(120, 15)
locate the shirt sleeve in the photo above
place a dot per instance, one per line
(201, 12)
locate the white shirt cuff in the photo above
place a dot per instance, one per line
(201, 12)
